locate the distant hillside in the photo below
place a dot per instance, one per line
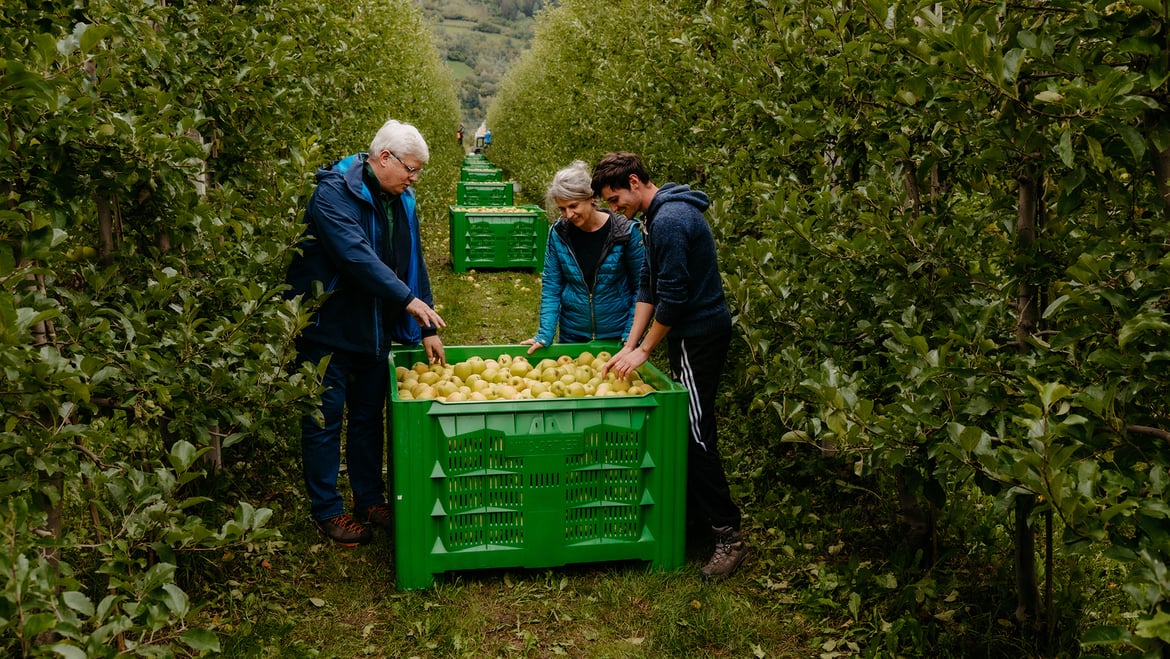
(480, 39)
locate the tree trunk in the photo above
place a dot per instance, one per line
(913, 201)
(936, 187)
(1028, 593)
(44, 333)
(1027, 293)
(105, 214)
(1155, 119)
(919, 519)
(1028, 222)
(1162, 178)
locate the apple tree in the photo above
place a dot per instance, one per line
(942, 230)
(155, 160)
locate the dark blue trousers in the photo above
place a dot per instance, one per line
(356, 394)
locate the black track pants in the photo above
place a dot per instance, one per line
(697, 363)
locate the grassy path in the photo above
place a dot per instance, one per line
(322, 600)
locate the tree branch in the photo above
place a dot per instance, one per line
(1149, 430)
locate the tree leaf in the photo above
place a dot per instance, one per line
(201, 640)
(1107, 635)
(78, 601)
(68, 651)
(1139, 325)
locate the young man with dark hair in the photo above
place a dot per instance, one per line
(680, 299)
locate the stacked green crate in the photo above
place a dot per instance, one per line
(540, 482)
(486, 229)
(497, 237)
(475, 191)
(481, 173)
(485, 193)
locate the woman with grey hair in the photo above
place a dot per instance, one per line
(591, 266)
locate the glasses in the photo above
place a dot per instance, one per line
(411, 171)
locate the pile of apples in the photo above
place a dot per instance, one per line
(514, 378)
(493, 209)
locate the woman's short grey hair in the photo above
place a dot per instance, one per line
(401, 140)
(572, 183)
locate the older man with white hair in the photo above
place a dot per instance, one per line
(362, 248)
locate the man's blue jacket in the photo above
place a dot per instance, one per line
(346, 249)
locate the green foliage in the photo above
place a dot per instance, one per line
(866, 161)
(479, 41)
(555, 106)
(155, 162)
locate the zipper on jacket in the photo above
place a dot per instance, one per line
(375, 242)
(592, 318)
(610, 241)
(588, 289)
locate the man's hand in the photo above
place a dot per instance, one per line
(424, 314)
(435, 351)
(624, 363)
(535, 345)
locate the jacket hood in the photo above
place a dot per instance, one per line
(673, 192)
(351, 174)
(620, 225)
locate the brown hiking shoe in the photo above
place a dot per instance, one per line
(378, 515)
(344, 531)
(730, 551)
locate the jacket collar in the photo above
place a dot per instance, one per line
(353, 170)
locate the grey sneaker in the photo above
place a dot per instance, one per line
(730, 551)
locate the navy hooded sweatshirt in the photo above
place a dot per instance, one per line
(681, 274)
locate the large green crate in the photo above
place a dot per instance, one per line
(475, 159)
(536, 483)
(481, 173)
(485, 193)
(497, 237)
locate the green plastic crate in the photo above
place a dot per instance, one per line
(481, 173)
(536, 483)
(497, 237)
(485, 193)
(475, 159)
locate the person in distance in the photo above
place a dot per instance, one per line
(361, 247)
(591, 266)
(680, 300)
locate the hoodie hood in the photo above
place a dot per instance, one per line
(672, 192)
